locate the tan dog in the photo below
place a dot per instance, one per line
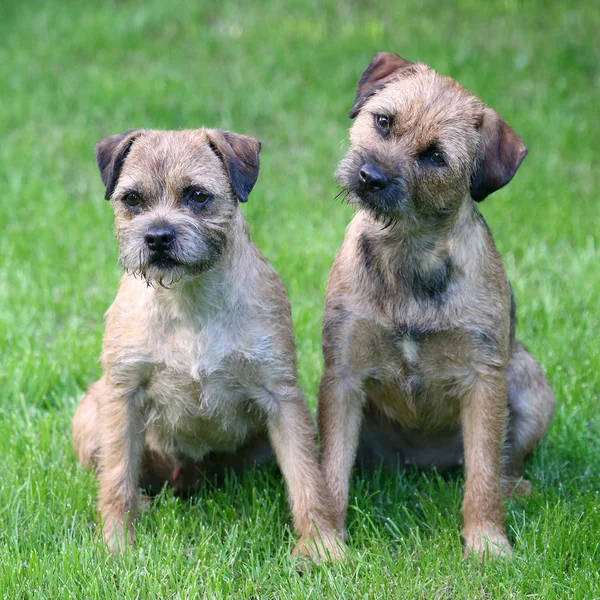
(418, 337)
(199, 357)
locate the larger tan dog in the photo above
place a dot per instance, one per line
(419, 327)
(198, 356)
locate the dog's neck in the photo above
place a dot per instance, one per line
(424, 256)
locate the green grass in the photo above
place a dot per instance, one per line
(72, 72)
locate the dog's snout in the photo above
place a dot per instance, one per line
(372, 177)
(159, 238)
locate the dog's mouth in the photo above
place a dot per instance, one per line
(366, 185)
(156, 268)
(165, 270)
(385, 205)
(163, 262)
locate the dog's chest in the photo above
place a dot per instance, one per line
(202, 385)
(418, 375)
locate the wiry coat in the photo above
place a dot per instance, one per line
(421, 362)
(198, 355)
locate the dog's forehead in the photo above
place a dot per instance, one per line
(427, 105)
(173, 157)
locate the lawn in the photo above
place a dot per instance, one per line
(72, 72)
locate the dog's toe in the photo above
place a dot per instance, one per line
(486, 541)
(324, 548)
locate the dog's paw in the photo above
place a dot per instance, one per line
(320, 548)
(117, 536)
(486, 540)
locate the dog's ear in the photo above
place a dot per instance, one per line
(501, 152)
(239, 154)
(111, 153)
(379, 71)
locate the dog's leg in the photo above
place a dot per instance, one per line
(531, 405)
(122, 445)
(483, 417)
(292, 437)
(340, 417)
(86, 426)
(157, 468)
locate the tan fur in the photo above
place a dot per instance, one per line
(204, 367)
(418, 334)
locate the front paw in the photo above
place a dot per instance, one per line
(117, 535)
(320, 548)
(486, 540)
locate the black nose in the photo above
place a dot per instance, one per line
(159, 238)
(372, 178)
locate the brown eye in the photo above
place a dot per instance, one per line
(198, 197)
(132, 199)
(383, 123)
(195, 198)
(437, 158)
(432, 156)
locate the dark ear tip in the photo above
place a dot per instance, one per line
(240, 156)
(111, 152)
(382, 68)
(382, 54)
(98, 145)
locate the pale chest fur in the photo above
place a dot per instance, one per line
(201, 377)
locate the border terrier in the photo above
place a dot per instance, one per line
(199, 359)
(421, 361)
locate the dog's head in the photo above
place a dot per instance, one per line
(421, 143)
(175, 195)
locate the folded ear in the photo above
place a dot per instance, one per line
(379, 71)
(111, 153)
(501, 152)
(239, 154)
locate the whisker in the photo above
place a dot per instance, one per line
(342, 191)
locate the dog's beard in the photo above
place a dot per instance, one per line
(169, 268)
(195, 249)
(165, 272)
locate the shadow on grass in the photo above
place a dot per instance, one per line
(386, 506)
